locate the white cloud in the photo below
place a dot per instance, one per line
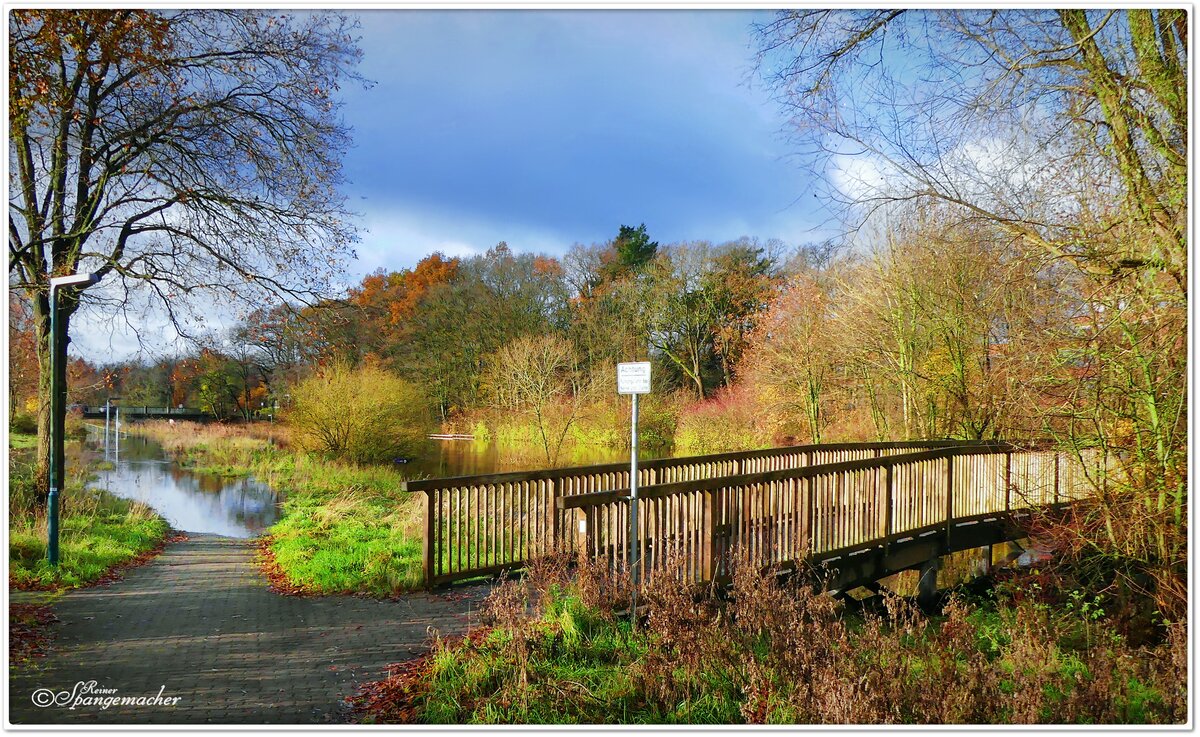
(141, 328)
(398, 236)
(861, 176)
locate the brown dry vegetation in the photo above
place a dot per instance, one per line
(772, 652)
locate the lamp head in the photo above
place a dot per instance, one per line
(74, 280)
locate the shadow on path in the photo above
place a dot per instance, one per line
(199, 623)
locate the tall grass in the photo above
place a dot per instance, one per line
(222, 450)
(600, 424)
(728, 421)
(783, 653)
(97, 531)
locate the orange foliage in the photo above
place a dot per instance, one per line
(139, 38)
(390, 299)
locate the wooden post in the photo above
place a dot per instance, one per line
(949, 496)
(927, 585)
(709, 541)
(1008, 482)
(812, 515)
(427, 539)
(1057, 457)
(745, 536)
(887, 510)
(553, 544)
(581, 532)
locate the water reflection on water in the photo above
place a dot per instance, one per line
(235, 507)
(244, 507)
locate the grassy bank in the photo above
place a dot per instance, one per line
(782, 654)
(344, 527)
(97, 532)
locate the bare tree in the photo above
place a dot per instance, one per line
(1067, 131)
(539, 376)
(175, 153)
(1018, 117)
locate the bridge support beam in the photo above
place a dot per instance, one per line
(927, 585)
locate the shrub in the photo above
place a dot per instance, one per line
(362, 415)
(730, 420)
(24, 424)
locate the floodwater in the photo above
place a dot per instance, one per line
(192, 502)
(139, 469)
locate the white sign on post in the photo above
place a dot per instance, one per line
(633, 378)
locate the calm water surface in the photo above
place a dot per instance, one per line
(244, 507)
(235, 507)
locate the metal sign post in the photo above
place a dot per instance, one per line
(633, 379)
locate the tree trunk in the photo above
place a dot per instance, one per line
(41, 320)
(41, 326)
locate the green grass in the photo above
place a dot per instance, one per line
(97, 531)
(22, 440)
(577, 672)
(344, 528)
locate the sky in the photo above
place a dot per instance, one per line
(549, 128)
(544, 128)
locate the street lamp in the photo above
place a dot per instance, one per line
(58, 404)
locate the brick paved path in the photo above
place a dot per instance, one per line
(200, 621)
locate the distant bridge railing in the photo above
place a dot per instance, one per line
(702, 505)
(146, 411)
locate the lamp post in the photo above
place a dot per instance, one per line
(58, 405)
(109, 408)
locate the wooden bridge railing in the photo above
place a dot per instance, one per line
(782, 517)
(479, 525)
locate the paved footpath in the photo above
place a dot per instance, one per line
(199, 623)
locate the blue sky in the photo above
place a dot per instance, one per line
(546, 128)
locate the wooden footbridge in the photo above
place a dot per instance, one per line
(862, 510)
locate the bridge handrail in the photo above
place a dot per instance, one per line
(659, 491)
(447, 482)
(476, 525)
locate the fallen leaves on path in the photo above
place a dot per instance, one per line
(396, 699)
(29, 632)
(277, 580)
